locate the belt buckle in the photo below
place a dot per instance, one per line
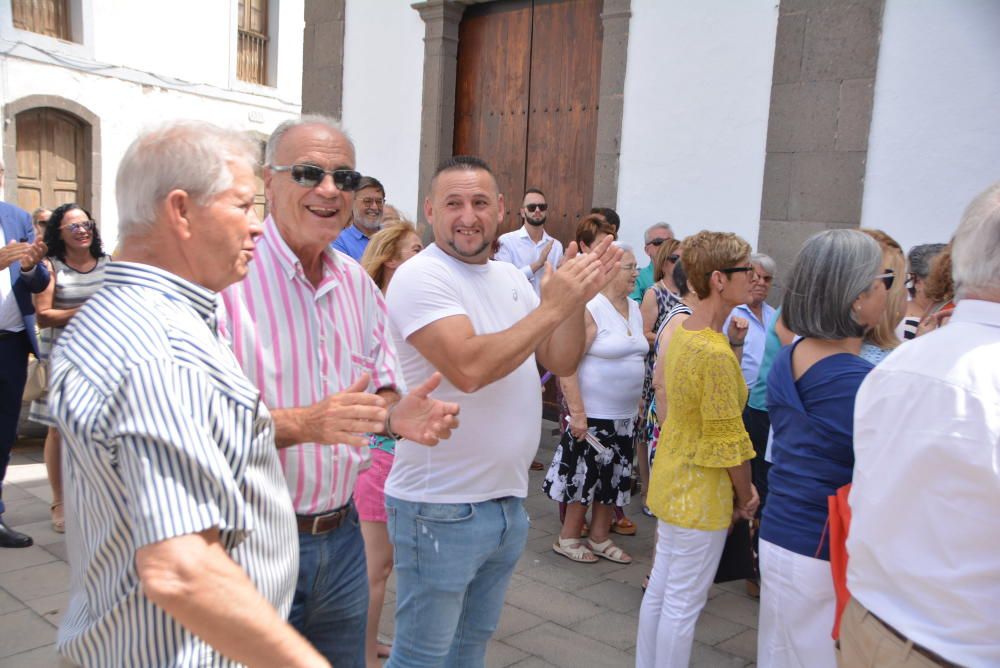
(315, 526)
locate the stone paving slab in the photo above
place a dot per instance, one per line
(557, 612)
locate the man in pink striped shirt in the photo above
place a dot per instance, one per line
(310, 330)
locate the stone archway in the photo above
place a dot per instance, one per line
(90, 126)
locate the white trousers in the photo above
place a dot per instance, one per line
(685, 565)
(797, 606)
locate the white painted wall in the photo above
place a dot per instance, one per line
(128, 77)
(935, 137)
(383, 85)
(697, 93)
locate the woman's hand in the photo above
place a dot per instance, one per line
(578, 425)
(746, 509)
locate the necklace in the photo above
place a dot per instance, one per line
(628, 325)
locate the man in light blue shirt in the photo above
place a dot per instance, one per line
(759, 314)
(369, 203)
(529, 247)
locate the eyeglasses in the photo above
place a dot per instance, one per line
(373, 201)
(540, 207)
(888, 278)
(659, 241)
(737, 270)
(630, 267)
(674, 257)
(85, 226)
(311, 176)
(765, 278)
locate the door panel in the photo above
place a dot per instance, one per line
(51, 159)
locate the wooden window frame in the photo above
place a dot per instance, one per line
(252, 44)
(29, 15)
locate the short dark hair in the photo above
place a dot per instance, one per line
(371, 182)
(466, 163)
(609, 215)
(537, 191)
(53, 233)
(589, 227)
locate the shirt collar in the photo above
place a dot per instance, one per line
(523, 233)
(978, 311)
(287, 260)
(200, 298)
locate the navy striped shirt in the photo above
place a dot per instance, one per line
(163, 436)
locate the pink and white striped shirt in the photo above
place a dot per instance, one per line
(298, 343)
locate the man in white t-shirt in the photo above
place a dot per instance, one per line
(924, 570)
(456, 514)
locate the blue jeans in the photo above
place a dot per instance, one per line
(453, 564)
(330, 607)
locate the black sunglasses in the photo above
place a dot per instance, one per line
(888, 278)
(531, 207)
(311, 176)
(656, 242)
(674, 257)
(735, 270)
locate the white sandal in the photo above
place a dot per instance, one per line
(573, 548)
(609, 551)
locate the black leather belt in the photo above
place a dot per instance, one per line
(324, 522)
(7, 334)
(923, 651)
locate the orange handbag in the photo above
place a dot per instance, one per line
(839, 524)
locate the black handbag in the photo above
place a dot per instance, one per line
(738, 561)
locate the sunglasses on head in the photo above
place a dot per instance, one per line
(311, 176)
(888, 278)
(532, 207)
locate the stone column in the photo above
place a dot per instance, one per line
(614, 54)
(817, 133)
(437, 118)
(323, 58)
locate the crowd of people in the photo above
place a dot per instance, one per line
(253, 423)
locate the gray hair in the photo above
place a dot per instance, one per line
(657, 226)
(193, 156)
(830, 272)
(975, 248)
(765, 261)
(919, 258)
(624, 246)
(305, 119)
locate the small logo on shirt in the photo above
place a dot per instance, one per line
(514, 292)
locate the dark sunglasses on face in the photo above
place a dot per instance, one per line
(656, 242)
(531, 207)
(85, 226)
(674, 257)
(888, 278)
(736, 270)
(311, 176)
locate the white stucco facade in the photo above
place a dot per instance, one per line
(383, 85)
(173, 68)
(697, 94)
(935, 137)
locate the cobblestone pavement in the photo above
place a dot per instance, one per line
(557, 613)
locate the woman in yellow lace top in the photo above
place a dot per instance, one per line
(701, 474)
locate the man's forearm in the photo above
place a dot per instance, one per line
(195, 581)
(563, 349)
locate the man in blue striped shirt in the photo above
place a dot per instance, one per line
(180, 531)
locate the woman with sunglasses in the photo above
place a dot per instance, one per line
(701, 474)
(76, 261)
(882, 339)
(837, 292)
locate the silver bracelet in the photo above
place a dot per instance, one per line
(388, 423)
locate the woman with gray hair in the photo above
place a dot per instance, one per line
(918, 269)
(837, 291)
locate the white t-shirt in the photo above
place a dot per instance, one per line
(488, 456)
(612, 371)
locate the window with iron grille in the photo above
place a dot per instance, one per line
(251, 54)
(46, 17)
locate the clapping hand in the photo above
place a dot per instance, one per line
(421, 419)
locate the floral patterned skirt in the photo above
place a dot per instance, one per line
(579, 474)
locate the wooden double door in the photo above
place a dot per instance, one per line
(527, 101)
(52, 166)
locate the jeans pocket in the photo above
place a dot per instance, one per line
(445, 512)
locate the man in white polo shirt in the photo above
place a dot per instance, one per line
(924, 568)
(456, 514)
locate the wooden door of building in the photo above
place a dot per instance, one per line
(526, 101)
(51, 159)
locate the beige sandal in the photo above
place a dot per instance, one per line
(58, 525)
(609, 551)
(572, 548)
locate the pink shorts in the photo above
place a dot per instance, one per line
(369, 492)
